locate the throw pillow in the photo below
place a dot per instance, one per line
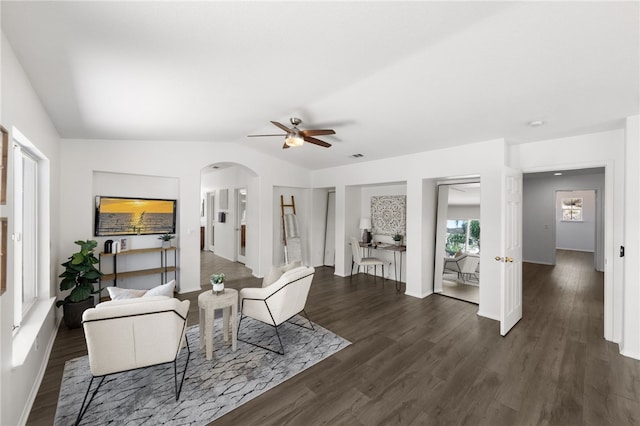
(117, 293)
(162, 290)
(276, 272)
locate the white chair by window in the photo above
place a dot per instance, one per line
(464, 265)
(357, 259)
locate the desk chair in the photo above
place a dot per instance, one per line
(357, 259)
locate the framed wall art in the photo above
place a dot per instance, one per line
(388, 214)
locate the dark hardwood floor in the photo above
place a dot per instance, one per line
(434, 361)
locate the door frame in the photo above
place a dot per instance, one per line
(209, 230)
(613, 266)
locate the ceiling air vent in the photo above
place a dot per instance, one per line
(356, 155)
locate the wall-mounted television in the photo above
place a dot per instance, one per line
(134, 216)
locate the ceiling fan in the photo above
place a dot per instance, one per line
(296, 137)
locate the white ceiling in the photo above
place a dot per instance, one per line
(464, 194)
(391, 78)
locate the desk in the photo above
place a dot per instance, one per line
(395, 249)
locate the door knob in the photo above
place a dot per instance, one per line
(508, 259)
(499, 259)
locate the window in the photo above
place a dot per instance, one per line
(572, 209)
(463, 236)
(30, 227)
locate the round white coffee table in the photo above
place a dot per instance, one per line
(208, 302)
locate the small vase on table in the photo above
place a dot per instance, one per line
(217, 283)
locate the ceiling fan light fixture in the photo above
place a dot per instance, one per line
(294, 139)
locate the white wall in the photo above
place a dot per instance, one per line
(80, 158)
(463, 212)
(21, 108)
(128, 185)
(418, 171)
(578, 235)
(539, 214)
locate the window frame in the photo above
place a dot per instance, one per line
(23, 148)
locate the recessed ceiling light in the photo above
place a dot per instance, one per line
(557, 174)
(535, 123)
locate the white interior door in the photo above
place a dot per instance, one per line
(511, 257)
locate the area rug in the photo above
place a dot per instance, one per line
(211, 388)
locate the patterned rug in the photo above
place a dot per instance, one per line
(211, 388)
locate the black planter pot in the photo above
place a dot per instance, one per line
(73, 312)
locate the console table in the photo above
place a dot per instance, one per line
(163, 269)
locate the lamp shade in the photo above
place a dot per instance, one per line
(365, 223)
(294, 140)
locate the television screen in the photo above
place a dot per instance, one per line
(134, 216)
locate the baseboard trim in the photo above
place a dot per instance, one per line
(43, 368)
(574, 249)
(418, 295)
(537, 262)
(630, 354)
(485, 315)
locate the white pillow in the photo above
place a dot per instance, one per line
(276, 272)
(162, 290)
(130, 301)
(117, 293)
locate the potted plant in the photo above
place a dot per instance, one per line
(217, 283)
(166, 239)
(80, 276)
(397, 238)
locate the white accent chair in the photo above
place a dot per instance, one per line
(464, 265)
(357, 259)
(128, 334)
(277, 302)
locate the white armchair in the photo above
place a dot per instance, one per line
(128, 334)
(278, 302)
(465, 265)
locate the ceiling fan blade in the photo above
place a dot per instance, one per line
(259, 136)
(317, 132)
(282, 126)
(317, 141)
(285, 146)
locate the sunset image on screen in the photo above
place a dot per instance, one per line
(134, 216)
(129, 205)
